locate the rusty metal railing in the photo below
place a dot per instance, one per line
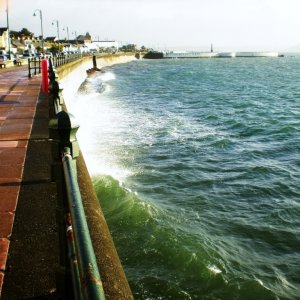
(84, 270)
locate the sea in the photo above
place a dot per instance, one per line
(196, 165)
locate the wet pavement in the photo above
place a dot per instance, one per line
(27, 195)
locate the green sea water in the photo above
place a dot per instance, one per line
(196, 165)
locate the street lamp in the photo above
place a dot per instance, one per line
(75, 34)
(8, 34)
(67, 28)
(41, 18)
(57, 27)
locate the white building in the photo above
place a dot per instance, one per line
(4, 38)
(104, 44)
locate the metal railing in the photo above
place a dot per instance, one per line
(34, 66)
(34, 63)
(82, 263)
(62, 59)
(91, 285)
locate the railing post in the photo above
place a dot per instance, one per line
(56, 98)
(51, 72)
(94, 62)
(50, 65)
(34, 60)
(39, 61)
(29, 68)
(63, 129)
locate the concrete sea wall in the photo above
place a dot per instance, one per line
(112, 274)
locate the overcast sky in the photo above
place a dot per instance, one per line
(235, 24)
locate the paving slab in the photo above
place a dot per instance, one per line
(9, 196)
(4, 245)
(6, 224)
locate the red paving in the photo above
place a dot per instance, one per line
(18, 100)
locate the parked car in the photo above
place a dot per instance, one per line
(3, 57)
(3, 53)
(27, 55)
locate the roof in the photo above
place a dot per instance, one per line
(80, 38)
(105, 42)
(50, 38)
(17, 43)
(2, 29)
(86, 37)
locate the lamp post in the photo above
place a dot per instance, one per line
(41, 18)
(75, 34)
(8, 34)
(67, 28)
(57, 27)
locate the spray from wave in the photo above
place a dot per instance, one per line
(98, 117)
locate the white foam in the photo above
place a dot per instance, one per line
(214, 269)
(107, 76)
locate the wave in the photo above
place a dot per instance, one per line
(96, 83)
(154, 245)
(107, 76)
(194, 182)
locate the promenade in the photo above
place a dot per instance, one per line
(29, 251)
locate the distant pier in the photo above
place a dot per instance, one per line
(199, 54)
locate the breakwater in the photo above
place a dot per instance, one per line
(198, 54)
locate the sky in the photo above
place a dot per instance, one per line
(262, 25)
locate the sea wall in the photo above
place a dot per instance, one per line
(73, 74)
(113, 278)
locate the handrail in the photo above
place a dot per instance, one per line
(34, 63)
(91, 285)
(85, 275)
(62, 59)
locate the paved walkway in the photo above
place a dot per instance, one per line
(26, 191)
(18, 99)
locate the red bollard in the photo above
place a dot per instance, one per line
(45, 79)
